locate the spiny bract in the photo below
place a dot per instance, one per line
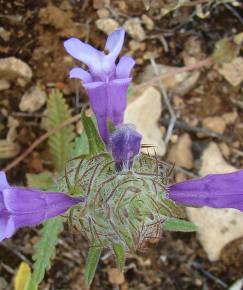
(126, 208)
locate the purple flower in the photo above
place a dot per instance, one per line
(105, 81)
(125, 144)
(214, 190)
(20, 207)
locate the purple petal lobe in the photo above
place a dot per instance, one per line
(125, 144)
(214, 190)
(114, 44)
(3, 181)
(81, 74)
(124, 67)
(83, 52)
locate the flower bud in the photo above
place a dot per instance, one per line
(125, 144)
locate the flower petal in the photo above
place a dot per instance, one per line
(214, 190)
(114, 43)
(7, 228)
(108, 100)
(58, 203)
(117, 91)
(124, 67)
(23, 200)
(83, 52)
(80, 73)
(3, 181)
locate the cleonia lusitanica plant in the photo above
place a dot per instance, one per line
(116, 196)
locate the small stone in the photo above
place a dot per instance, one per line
(103, 13)
(33, 100)
(8, 149)
(216, 227)
(115, 276)
(134, 28)
(145, 114)
(230, 118)
(4, 85)
(216, 124)
(4, 34)
(181, 153)
(12, 68)
(136, 45)
(97, 4)
(233, 71)
(107, 25)
(148, 22)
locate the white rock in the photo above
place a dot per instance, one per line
(178, 84)
(181, 153)
(144, 112)
(134, 28)
(12, 68)
(233, 71)
(4, 85)
(33, 100)
(107, 25)
(216, 227)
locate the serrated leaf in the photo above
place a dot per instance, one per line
(91, 264)
(120, 252)
(45, 247)
(60, 143)
(43, 180)
(96, 145)
(22, 277)
(178, 225)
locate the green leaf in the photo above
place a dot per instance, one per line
(178, 225)
(119, 251)
(91, 264)
(96, 145)
(31, 285)
(45, 247)
(81, 145)
(60, 143)
(43, 180)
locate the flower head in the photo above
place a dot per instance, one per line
(125, 144)
(20, 207)
(214, 190)
(105, 81)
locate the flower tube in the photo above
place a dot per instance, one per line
(213, 190)
(21, 207)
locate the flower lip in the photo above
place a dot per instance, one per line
(100, 65)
